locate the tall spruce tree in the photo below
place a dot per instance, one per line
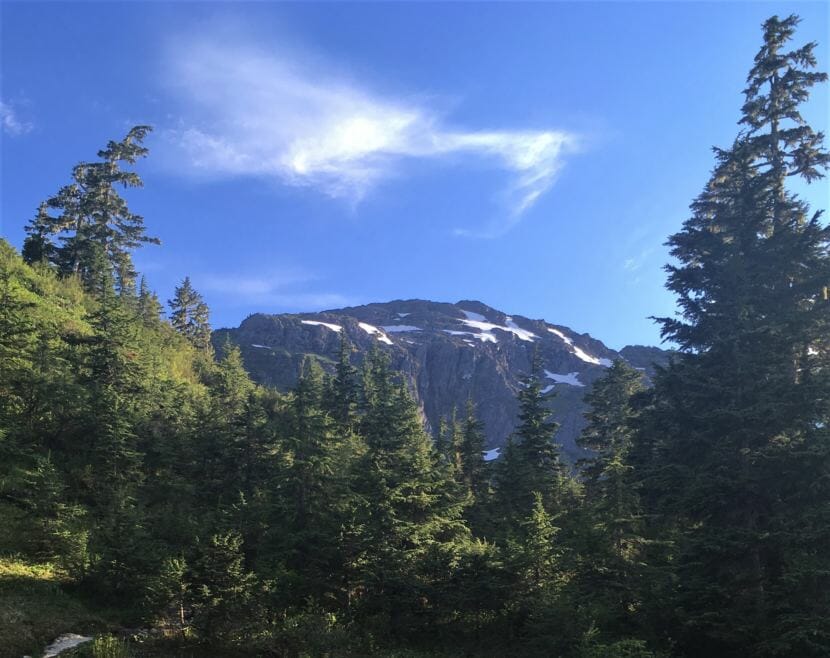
(93, 222)
(531, 463)
(610, 528)
(738, 451)
(342, 398)
(471, 451)
(116, 378)
(189, 315)
(148, 305)
(608, 435)
(311, 491)
(473, 471)
(412, 524)
(234, 437)
(448, 440)
(38, 245)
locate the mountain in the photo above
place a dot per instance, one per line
(447, 352)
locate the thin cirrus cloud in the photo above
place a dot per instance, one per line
(12, 124)
(247, 112)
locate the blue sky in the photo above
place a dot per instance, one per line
(309, 156)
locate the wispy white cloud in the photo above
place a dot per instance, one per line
(634, 263)
(248, 112)
(12, 123)
(279, 291)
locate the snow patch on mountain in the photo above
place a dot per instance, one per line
(524, 334)
(397, 328)
(561, 335)
(572, 378)
(477, 317)
(578, 352)
(374, 331)
(265, 347)
(587, 358)
(484, 337)
(328, 325)
(512, 328)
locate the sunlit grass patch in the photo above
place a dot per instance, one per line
(35, 608)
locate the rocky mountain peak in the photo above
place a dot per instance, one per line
(447, 353)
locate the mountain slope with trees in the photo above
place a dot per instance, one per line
(448, 353)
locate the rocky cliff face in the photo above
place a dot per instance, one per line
(447, 352)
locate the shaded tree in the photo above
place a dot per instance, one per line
(736, 466)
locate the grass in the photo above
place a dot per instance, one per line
(102, 646)
(35, 608)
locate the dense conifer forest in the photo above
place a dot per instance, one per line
(153, 496)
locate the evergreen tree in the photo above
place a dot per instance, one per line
(16, 333)
(115, 378)
(148, 306)
(412, 523)
(235, 438)
(343, 393)
(311, 490)
(189, 315)
(224, 590)
(736, 461)
(170, 592)
(607, 473)
(531, 462)
(538, 452)
(535, 561)
(344, 450)
(448, 442)
(56, 529)
(473, 472)
(610, 532)
(539, 558)
(94, 224)
(509, 493)
(38, 245)
(471, 453)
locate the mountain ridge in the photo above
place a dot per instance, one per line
(446, 352)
